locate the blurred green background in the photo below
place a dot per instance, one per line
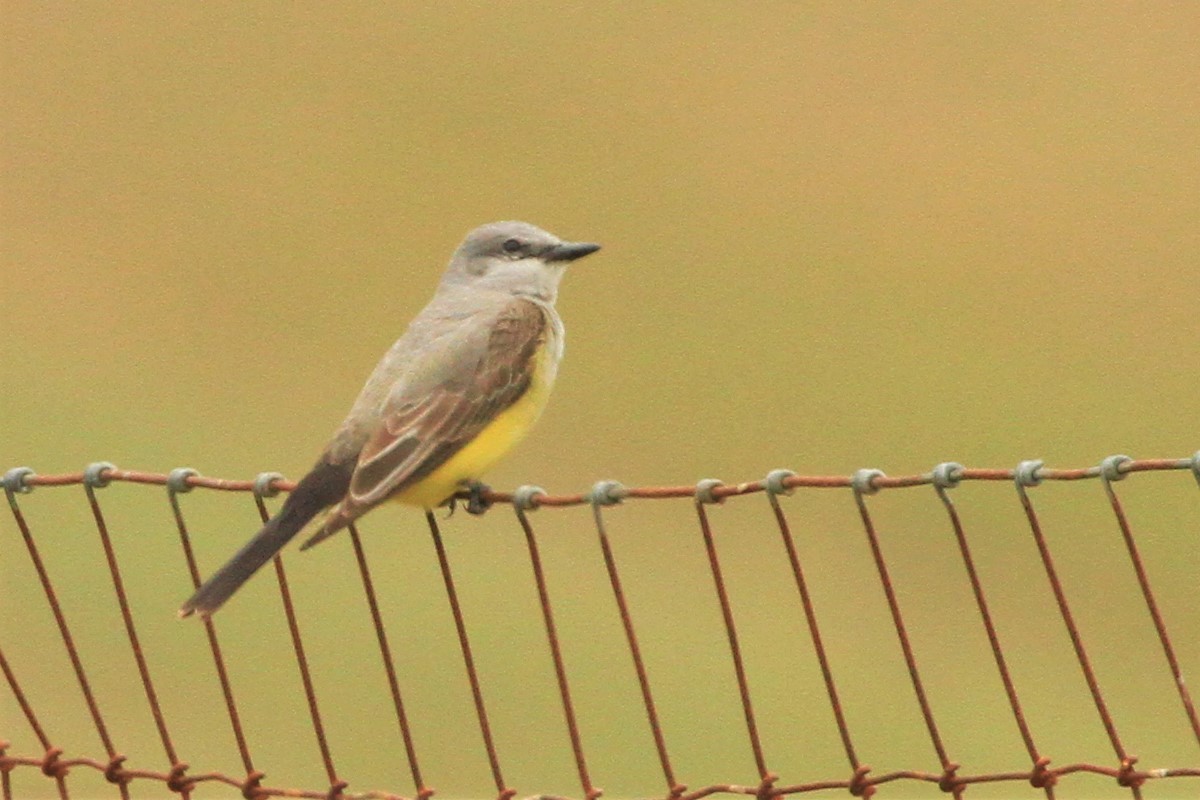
(836, 235)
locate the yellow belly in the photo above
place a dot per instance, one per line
(492, 443)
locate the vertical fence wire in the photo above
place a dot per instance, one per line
(176, 783)
(49, 766)
(1135, 558)
(948, 782)
(1027, 476)
(336, 785)
(859, 770)
(674, 787)
(946, 477)
(590, 792)
(503, 792)
(389, 666)
(177, 484)
(113, 771)
(703, 495)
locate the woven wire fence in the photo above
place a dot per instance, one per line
(1038, 774)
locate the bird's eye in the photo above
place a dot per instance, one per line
(511, 245)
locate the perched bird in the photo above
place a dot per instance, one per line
(463, 385)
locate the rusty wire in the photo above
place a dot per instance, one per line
(177, 777)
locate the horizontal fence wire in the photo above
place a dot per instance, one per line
(1037, 774)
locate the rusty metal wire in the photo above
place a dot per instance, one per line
(178, 777)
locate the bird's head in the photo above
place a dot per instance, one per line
(514, 257)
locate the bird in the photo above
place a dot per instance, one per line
(463, 384)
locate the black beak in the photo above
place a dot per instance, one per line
(569, 251)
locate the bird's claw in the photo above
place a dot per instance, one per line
(476, 502)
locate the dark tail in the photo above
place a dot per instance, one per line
(325, 485)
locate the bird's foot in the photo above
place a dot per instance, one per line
(476, 503)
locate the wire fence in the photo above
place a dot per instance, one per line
(1037, 773)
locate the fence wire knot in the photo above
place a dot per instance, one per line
(859, 785)
(765, 790)
(251, 787)
(51, 767)
(113, 773)
(1128, 775)
(1042, 777)
(177, 781)
(949, 782)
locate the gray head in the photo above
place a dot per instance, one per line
(514, 257)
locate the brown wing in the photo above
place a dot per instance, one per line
(421, 432)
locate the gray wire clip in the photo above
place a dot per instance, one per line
(607, 493)
(264, 484)
(863, 481)
(93, 474)
(704, 491)
(14, 480)
(774, 485)
(947, 474)
(525, 498)
(1026, 473)
(177, 480)
(1110, 468)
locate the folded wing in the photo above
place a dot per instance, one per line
(453, 394)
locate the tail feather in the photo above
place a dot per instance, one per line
(321, 488)
(336, 521)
